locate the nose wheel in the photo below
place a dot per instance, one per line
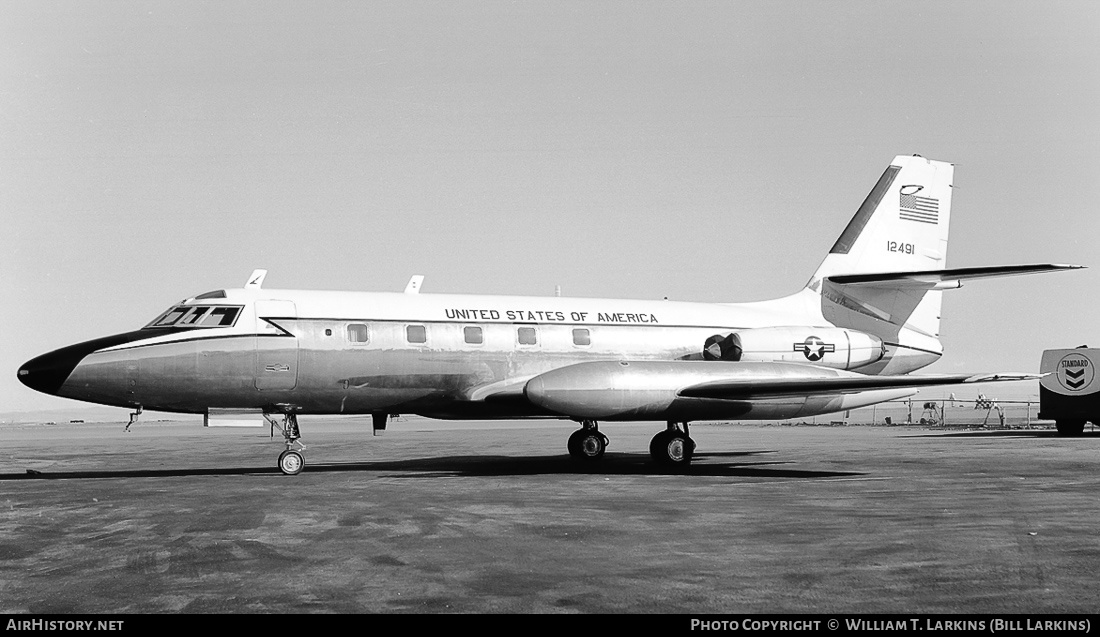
(291, 461)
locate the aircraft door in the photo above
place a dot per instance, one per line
(276, 345)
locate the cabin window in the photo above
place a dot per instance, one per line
(473, 335)
(527, 336)
(416, 334)
(581, 337)
(357, 333)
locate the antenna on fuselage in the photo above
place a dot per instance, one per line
(414, 284)
(255, 280)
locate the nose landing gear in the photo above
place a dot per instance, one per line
(291, 461)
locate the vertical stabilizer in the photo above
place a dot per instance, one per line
(902, 226)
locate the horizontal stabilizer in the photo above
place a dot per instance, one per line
(881, 303)
(746, 389)
(929, 278)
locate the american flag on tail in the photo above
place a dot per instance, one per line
(921, 209)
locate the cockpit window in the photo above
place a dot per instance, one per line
(221, 317)
(198, 316)
(169, 317)
(192, 317)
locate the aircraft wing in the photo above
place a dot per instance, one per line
(708, 389)
(741, 389)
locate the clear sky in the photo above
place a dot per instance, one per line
(708, 151)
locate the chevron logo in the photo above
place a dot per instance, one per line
(1075, 372)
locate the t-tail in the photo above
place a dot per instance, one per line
(886, 273)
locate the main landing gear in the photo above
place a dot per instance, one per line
(587, 443)
(671, 448)
(291, 461)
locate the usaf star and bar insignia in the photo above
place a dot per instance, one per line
(813, 348)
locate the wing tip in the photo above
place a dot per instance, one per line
(1002, 377)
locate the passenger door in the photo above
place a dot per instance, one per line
(276, 345)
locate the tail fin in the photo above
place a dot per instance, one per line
(886, 272)
(902, 226)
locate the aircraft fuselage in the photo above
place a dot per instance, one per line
(450, 356)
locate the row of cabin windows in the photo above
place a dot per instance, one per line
(417, 334)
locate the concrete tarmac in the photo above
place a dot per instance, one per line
(494, 517)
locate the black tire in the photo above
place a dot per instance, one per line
(1070, 427)
(291, 463)
(655, 445)
(587, 444)
(672, 449)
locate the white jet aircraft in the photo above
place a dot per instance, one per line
(866, 318)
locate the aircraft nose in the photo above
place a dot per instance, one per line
(47, 373)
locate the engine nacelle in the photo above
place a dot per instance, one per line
(823, 346)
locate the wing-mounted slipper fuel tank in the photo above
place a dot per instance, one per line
(705, 390)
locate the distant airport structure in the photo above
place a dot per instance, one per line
(866, 319)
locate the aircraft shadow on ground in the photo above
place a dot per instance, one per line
(1007, 433)
(623, 464)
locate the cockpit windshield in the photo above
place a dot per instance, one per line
(198, 316)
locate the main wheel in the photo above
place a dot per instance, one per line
(1070, 427)
(587, 444)
(291, 462)
(672, 448)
